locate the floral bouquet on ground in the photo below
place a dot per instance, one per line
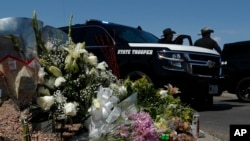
(156, 112)
(171, 117)
(74, 86)
(69, 78)
(137, 127)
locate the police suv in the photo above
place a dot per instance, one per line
(135, 53)
(236, 69)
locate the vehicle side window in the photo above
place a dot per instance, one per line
(92, 36)
(131, 36)
(183, 40)
(186, 42)
(96, 36)
(77, 35)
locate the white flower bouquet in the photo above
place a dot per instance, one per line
(69, 77)
(71, 85)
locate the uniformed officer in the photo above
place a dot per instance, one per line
(206, 41)
(168, 34)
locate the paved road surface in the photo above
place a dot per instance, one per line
(226, 110)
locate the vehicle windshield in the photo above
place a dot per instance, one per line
(132, 35)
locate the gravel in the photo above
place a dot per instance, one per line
(11, 127)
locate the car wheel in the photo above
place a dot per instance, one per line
(243, 90)
(135, 75)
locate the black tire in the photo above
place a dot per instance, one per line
(243, 89)
(135, 75)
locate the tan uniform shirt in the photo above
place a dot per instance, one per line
(209, 43)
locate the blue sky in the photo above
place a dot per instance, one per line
(229, 19)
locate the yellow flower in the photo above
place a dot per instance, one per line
(43, 91)
(186, 116)
(96, 103)
(55, 71)
(161, 125)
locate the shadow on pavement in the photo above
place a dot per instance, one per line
(217, 107)
(226, 101)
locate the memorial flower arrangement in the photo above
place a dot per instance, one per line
(154, 113)
(138, 127)
(68, 79)
(169, 114)
(74, 86)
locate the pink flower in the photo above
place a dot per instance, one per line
(140, 127)
(143, 127)
(172, 90)
(124, 131)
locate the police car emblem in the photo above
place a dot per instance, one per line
(210, 64)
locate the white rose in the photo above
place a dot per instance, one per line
(70, 109)
(50, 82)
(102, 66)
(45, 102)
(41, 74)
(163, 93)
(92, 60)
(59, 80)
(122, 90)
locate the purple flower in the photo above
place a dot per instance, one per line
(142, 127)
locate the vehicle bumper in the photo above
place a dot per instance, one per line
(192, 85)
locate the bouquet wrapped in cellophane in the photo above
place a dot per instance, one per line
(18, 63)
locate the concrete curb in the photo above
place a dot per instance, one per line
(207, 137)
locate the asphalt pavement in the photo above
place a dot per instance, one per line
(203, 136)
(208, 136)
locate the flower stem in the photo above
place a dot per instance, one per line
(26, 132)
